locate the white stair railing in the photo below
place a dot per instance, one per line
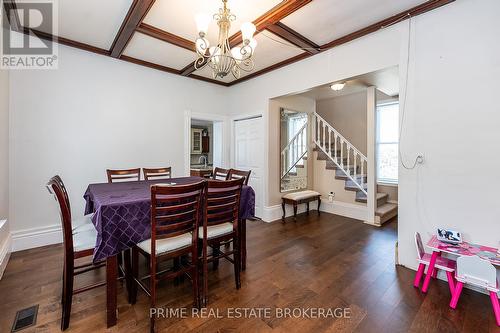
(294, 151)
(340, 151)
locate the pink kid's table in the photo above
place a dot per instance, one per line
(462, 249)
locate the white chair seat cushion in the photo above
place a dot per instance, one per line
(216, 230)
(84, 240)
(301, 195)
(82, 224)
(441, 262)
(167, 244)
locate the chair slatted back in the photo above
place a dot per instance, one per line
(55, 186)
(123, 175)
(220, 174)
(237, 174)
(158, 173)
(175, 210)
(222, 202)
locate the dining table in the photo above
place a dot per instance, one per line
(121, 215)
(438, 247)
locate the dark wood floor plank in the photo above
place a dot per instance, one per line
(322, 261)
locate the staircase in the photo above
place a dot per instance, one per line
(349, 164)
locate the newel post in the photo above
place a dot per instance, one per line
(371, 125)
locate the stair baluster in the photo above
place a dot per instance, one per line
(321, 142)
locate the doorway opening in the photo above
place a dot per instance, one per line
(204, 144)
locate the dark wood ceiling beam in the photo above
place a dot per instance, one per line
(293, 37)
(412, 12)
(166, 36)
(135, 15)
(272, 16)
(276, 14)
(12, 14)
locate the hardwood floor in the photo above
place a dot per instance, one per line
(325, 261)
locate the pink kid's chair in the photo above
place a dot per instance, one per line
(424, 259)
(480, 273)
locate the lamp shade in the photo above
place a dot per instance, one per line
(202, 22)
(253, 44)
(236, 53)
(247, 30)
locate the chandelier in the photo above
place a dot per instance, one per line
(223, 59)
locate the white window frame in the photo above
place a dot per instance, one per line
(385, 181)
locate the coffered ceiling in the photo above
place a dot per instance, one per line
(160, 33)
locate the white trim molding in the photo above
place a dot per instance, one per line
(358, 212)
(36, 237)
(5, 246)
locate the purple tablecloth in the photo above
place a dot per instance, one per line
(122, 212)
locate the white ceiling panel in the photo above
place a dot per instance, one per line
(158, 52)
(178, 17)
(325, 20)
(270, 50)
(93, 22)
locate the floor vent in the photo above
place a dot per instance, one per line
(25, 318)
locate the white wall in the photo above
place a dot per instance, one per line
(452, 114)
(347, 114)
(453, 118)
(90, 114)
(5, 237)
(4, 143)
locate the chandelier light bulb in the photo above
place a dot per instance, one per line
(236, 53)
(247, 30)
(202, 23)
(253, 44)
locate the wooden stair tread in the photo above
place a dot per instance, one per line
(380, 195)
(387, 208)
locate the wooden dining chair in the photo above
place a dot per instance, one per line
(220, 227)
(77, 244)
(175, 216)
(220, 173)
(123, 175)
(236, 174)
(159, 173)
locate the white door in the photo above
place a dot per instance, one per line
(249, 155)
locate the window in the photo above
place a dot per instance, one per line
(387, 142)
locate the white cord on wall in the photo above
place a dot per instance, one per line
(419, 158)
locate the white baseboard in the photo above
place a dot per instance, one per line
(358, 212)
(5, 247)
(273, 213)
(346, 209)
(36, 237)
